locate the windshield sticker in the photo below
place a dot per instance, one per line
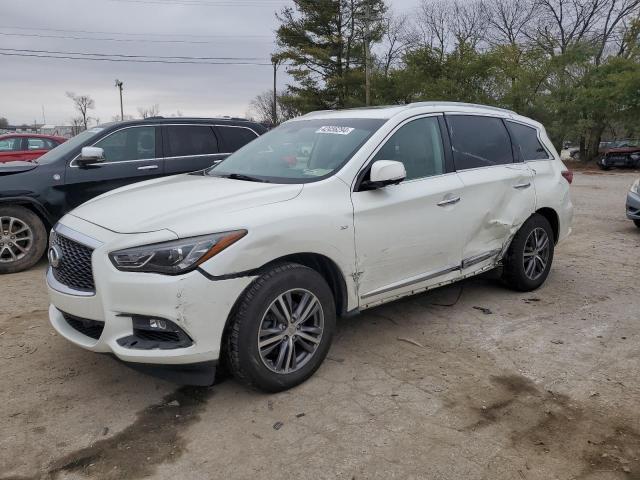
(336, 130)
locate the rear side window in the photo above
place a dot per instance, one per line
(526, 142)
(10, 144)
(234, 138)
(479, 141)
(188, 140)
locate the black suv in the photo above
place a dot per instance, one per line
(33, 196)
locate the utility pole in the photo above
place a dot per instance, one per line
(367, 55)
(274, 113)
(119, 86)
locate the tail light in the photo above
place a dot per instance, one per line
(568, 176)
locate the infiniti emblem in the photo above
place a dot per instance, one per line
(55, 256)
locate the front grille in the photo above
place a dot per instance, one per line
(90, 328)
(74, 269)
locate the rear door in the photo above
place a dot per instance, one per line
(498, 194)
(132, 154)
(189, 148)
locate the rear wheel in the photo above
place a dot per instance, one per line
(23, 239)
(528, 260)
(282, 328)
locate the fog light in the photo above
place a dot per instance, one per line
(157, 324)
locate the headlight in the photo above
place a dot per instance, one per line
(175, 257)
(636, 187)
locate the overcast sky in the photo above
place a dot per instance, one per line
(193, 28)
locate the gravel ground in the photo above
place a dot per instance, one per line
(542, 385)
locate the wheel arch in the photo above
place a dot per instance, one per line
(325, 267)
(554, 220)
(32, 205)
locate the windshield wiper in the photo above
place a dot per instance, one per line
(241, 176)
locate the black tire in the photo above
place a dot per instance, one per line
(243, 353)
(603, 165)
(35, 248)
(514, 273)
(637, 222)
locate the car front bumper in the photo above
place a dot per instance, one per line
(633, 206)
(196, 304)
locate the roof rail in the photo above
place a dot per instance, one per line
(458, 104)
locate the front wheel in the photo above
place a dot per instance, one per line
(281, 329)
(528, 260)
(23, 239)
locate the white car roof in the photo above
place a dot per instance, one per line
(387, 112)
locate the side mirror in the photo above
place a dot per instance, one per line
(90, 156)
(383, 173)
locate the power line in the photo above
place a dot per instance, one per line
(105, 39)
(129, 60)
(121, 55)
(129, 34)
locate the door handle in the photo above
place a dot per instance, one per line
(449, 201)
(522, 186)
(148, 167)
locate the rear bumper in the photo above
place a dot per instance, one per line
(633, 206)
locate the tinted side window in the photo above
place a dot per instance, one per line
(527, 143)
(185, 140)
(418, 145)
(136, 143)
(478, 141)
(235, 138)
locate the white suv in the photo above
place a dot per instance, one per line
(250, 262)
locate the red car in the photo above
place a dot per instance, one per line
(26, 146)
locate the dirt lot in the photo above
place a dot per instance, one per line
(535, 386)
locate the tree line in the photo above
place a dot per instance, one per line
(574, 65)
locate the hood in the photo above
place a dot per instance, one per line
(174, 203)
(622, 150)
(11, 168)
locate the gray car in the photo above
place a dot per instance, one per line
(633, 203)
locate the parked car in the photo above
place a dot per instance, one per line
(251, 261)
(633, 203)
(624, 153)
(26, 146)
(34, 195)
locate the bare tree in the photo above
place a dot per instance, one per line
(469, 22)
(261, 108)
(396, 40)
(509, 20)
(82, 103)
(151, 111)
(433, 25)
(77, 125)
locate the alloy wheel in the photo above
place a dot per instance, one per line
(290, 331)
(16, 239)
(536, 253)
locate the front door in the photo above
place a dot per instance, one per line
(132, 154)
(407, 236)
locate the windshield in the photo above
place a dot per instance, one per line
(66, 147)
(300, 151)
